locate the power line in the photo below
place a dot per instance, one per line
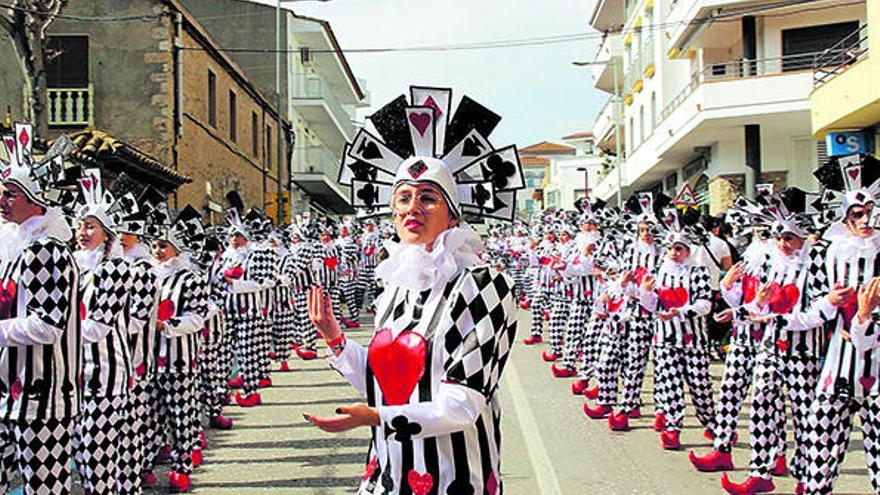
(128, 18)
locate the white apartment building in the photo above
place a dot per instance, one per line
(714, 93)
(571, 177)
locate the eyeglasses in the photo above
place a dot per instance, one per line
(855, 215)
(427, 200)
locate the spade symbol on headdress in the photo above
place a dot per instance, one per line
(472, 147)
(369, 150)
(497, 169)
(369, 194)
(363, 171)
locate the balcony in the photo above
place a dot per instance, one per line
(607, 15)
(687, 18)
(603, 128)
(647, 55)
(632, 79)
(603, 74)
(316, 169)
(313, 98)
(68, 107)
(833, 61)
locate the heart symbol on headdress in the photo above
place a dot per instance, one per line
(421, 121)
(853, 172)
(398, 363)
(644, 202)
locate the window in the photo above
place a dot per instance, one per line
(801, 44)
(654, 110)
(255, 135)
(671, 181)
(233, 117)
(212, 99)
(268, 146)
(629, 143)
(67, 61)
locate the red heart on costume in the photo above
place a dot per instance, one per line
(867, 382)
(331, 262)
(234, 272)
(749, 287)
(140, 370)
(398, 363)
(16, 389)
(757, 334)
(853, 172)
(827, 382)
(369, 251)
(544, 260)
(371, 468)
(82, 311)
(783, 298)
(166, 310)
(161, 362)
(7, 299)
(849, 308)
(492, 484)
(782, 344)
(639, 275)
(672, 297)
(613, 304)
(688, 338)
(421, 484)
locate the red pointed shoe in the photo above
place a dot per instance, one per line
(525, 304)
(578, 387)
(712, 462)
(780, 468)
(306, 355)
(669, 440)
(562, 372)
(219, 422)
(250, 400)
(534, 339)
(708, 434)
(284, 366)
(265, 382)
(659, 422)
(800, 489)
(618, 422)
(549, 357)
(197, 458)
(592, 393)
(352, 324)
(237, 382)
(598, 412)
(750, 486)
(178, 483)
(271, 354)
(635, 413)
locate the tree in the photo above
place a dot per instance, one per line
(26, 22)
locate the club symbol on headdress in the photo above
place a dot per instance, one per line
(498, 170)
(363, 171)
(369, 194)
(481, 195)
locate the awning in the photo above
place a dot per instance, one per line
(324, 192)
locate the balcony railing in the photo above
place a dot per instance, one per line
(633, 72)
(316, 160)
(68, 107)
(646, 57)
(312, 87)
(738, 69)
(836, 59)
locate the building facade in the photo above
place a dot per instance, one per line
(537, 161)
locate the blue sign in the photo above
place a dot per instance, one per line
(848, 143)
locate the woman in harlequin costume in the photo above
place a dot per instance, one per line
(217, 345)
(297, 268)
(848, 284)
(561, 293)
(369, 258)
(348, 274)
(738, 289)
(285, 311)
(40, 340)
(430, 375)
(539, 262)
(678, 298)
(183, 301)
(107, 379)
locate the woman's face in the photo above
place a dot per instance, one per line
(644, 231)
(163, 251)
(858, 220)
(89, 234)
(678, 253)
(420, 213)
(788, 243)
(237, 240)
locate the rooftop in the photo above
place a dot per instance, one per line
(548, 148)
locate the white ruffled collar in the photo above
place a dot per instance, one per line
(16, 238)
(88, 259)
(780, 262)
(643, 247)
(138, 252)
(846, 245)
(412, 267)
(166, 269)
(675, 269)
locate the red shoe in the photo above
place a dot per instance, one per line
(751, 486)
(534, 339)
(592, 393)
(780, 468)
(659, 422)
(271, 354)
(549, 357)
(578, 387)
(178, 483)
(525, 304)
(708, 434)
(218, 422)
(712, 462)
(352, 324)
(203, 440)
(284, 366)
(306, 355)
(670, 440)
(635, 413)
(148, 479)
(237, 382)
(294, 346)
(197, 458)
(598, 412)
(562, 372)
(800, 489)
(546, 315)
(265, 382)
(250, 400)
(344, 321)
(618, 422)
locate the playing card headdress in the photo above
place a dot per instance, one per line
(184, 230)
(647, 206)
(36, 179)
(680, 227)
(420, 143)
(778, 214)
(848, 181)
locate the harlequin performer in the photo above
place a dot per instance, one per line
(679, 298)
(348, 273)
(325, 266)
(539, 262)
(848, 382)
(297, 268)
(107, 379)
(260, 226)
(285, 311)
(40, 340)
(432, 370)
(183, 302)
(369, 258)
(561, 294)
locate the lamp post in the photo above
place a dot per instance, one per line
(586, 172)
(614, 63)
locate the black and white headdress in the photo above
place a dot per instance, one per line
(420, 140)
(36, 179)
(183, 230)
(848, 181)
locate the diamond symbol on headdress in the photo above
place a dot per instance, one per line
(417, 169)
(429, 102)
(860, 197)
(24, 138)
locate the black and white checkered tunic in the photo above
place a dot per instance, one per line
(689, 329)
(447, 434)
(141, 315)
(178, 343)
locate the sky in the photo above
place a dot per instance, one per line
(538, 92)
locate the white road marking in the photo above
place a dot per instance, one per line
(545, 474)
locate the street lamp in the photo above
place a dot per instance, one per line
(615, 66)
(279, 135)
(586, 172)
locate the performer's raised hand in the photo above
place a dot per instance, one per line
(347, 418)
(320, 308)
